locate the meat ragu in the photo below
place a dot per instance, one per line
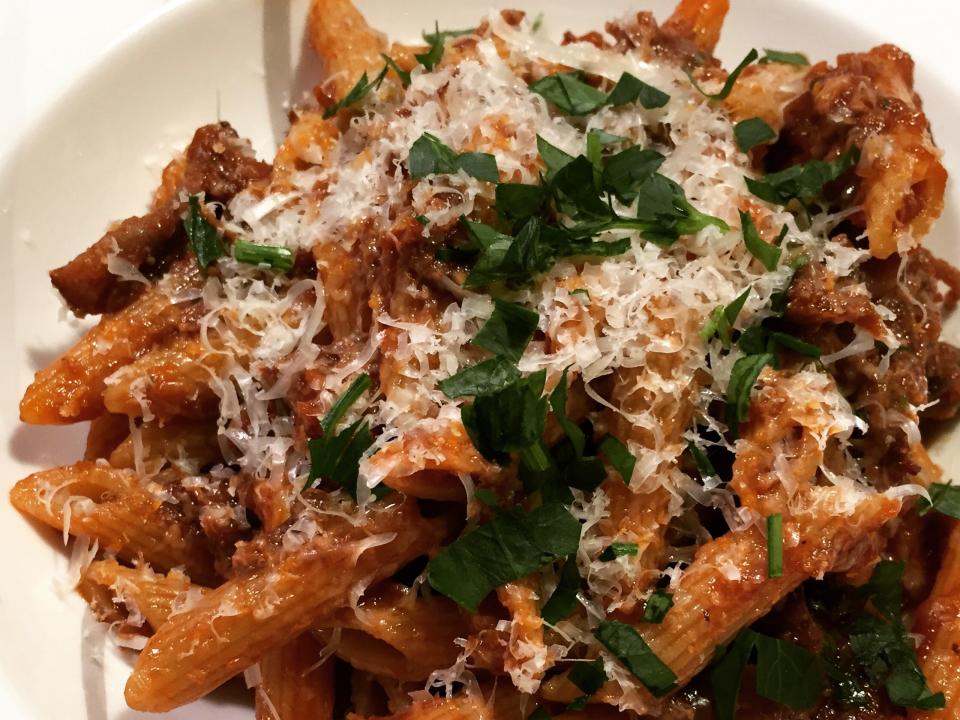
(529, 379)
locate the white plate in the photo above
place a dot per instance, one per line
(95, 158)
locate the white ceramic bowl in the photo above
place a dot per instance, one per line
(96, 156)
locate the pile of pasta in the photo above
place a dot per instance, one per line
(530, 379)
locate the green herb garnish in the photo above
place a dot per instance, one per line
(619, 549)
(657, 606)
(731, 78)
(571, 95)
(429, 156)
(775, 545)
(767, 253)
(436, 40)
(511, 546)
(336, 455)
(588, 677)
(508, 330)
(742, 379)
(787, 58)
(563, 601)
(752, 132)
(276, 256)
(632, 650)
(804, 181)
(945, 499)
(619, 457)
(722, 319)
(205, 241)
(357, 93)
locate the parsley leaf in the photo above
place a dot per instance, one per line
(276, 256)
(436, 40)
(666, 214)
(487, 496)
(632, 650)
(630, 89)
(570, 93)
(700, 459)
(558, 403)
(429, 156)
(516, 201)
(563, 601)
(742, 378)
(752, 132)
(553, 157)
(787, 673)
(944, 499)
(727, 671)
(511, 546)
(767, 253)
(510, 419)
(881, 644)
(731, 78)
(619, 549)
(795, 344)
(357, 93)
(657, 606)
(205, 241)
(588, 677)
(619, 457)
(401, 73)
(803, 181)
(624, 173)
(485, 377)
(722, 319)
(787, 58)
(508, 330)
(775, 545)
(573, 96)
(337, 455)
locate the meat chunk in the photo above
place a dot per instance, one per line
(216, 163)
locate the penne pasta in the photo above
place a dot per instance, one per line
(246, 617)
(292, 684)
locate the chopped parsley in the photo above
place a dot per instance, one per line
(276, 256)
(336, 455)
(786, 673)
(722, 319)
(701, 461)
(804, 181)
(731, 78)
(775, 545)
(632, 650)
(619, 457)
(657, 606)
(511, 546)
(563, 601)
(767, 253)
(205, 241)
(780, 56)
(400, 72)
(945, 499)
(742, 379)
(752, 132)
(484, 377)
(357, 93)
(508, 419)
(572, 96)
(588, 677)
(436, 40)
(619, 549)
(429, 156)
(508, 330)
